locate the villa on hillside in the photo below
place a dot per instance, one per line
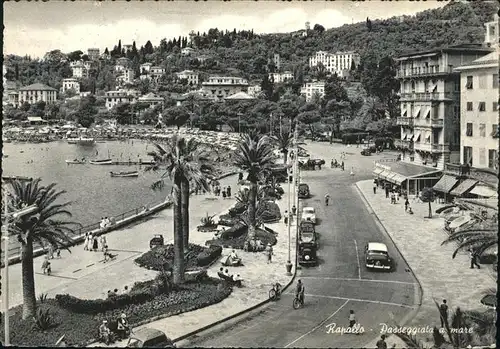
(36, 93)
(281, 77)
(122, 63)
(309, 89)
(114, 98)
(220, 87)
(70, 83)
(339, 63)
(154, 73)
(186, 51)
(151, 99)
(189, 75)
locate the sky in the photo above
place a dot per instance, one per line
(35, 28)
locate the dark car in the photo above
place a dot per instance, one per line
(307, 234)
(149, 338)
(377, 256)
(366, 152)
(304, 192)
(307, 254)
(157, 240)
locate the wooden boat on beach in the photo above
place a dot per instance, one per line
(81, 140)
(75, 162)
(101, 162)
(125, 174)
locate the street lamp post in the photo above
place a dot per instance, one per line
(289, 263)
(15, 215)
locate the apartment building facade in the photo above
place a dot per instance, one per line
(479, 118)
(309, 89)
(281, 77)
(189, 75)
(93, 53)
(430, 104)
(220, 87)
(36, 93)
(79, 69)
(125, 76)
(339, 62)
(114, 98)
(70, 83)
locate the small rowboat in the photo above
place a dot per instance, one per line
(101, 162)
(75, 161)
(125, 174)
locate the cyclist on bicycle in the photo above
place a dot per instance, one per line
(299, 291)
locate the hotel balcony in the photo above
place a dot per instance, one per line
(429, 96)
(429, 122)
(424, 71)
(432, 147)
(404, 121)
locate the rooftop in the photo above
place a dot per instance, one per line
(409, 170)
(37, 87)
(490, 59)
(240, 95)
(471, 48)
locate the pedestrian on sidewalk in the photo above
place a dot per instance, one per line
(103, 242)
(269, 253)
(95, 244)
(224, 193)
(105, 253)
(407, 203)
(51, 251)
(473, 259)
(374, 187)
(352, 321)
(86, 242)
(228, 190)
(381, 344)
(343, 167)
(327, 199)
(386, 191)
(443, 314)
(285, 217)
(294, 210)
(290, 218)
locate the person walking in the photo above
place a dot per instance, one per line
(374, 188)
(95, 244)
(473, 259)
(86, 242)
(269, 253)
(443, 313)
(343, 167)
(285, 217)
(224, 193)
(103, 242)
(381, 344)
(327, 199)
(228, 191)
(352, 319)
(386, 191)
(407, 203)
(294, 210)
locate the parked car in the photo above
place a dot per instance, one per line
(307, 234)
(304, 191)
(157, 240)
(366, 152)
(308, 215)
(377, 256)
(147, 337)
(307, 254)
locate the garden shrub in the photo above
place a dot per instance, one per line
(238, 242)
(237, 209)
(233, 232)
(227, 220)
(271, 212)
(208, 256)
(162, 257)
(43, 319)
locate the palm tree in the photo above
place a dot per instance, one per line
(253, 155)
(184, 162)
(284, 141)
(49, 228)
(480, 238)
(427, 195)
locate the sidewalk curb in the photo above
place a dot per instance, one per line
(120, 224)
(414, 312)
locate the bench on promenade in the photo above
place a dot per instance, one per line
(229, 279)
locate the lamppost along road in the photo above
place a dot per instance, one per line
(340, 282)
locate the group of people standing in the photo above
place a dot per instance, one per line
(226, 192)
(105, 222)
(91, 242)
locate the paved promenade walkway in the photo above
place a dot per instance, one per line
(258, 278)
(419, 240)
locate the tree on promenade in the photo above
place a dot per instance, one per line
(479, 238)
(184, 162)
(254, 155)
(427, 195)
(284, 141)
(51, 227)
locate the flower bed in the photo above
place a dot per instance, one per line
(238, 242)
(161, 256)
(80, 328)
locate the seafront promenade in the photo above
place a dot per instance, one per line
(419, 240)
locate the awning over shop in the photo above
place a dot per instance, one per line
(384, 174)
(428, 113)
(377, 171)
(445, 184)
(405, 112)
(484, 191)
(464, 187)
(416, 136)
(417, 113)
(400, 172)
(404, 135)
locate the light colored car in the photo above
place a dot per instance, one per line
(377, 256)
(308, 215)
(147, 337)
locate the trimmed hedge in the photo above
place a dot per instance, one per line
(238, 243)
(81, 329)
(233, 232)
(272, 212)
(209, 255)
(163, 256)
(227, 220)
(237, 209)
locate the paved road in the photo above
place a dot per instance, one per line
(340, 282)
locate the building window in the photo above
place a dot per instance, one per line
(456, 87)
(482, 106)
(482, 81)
(495, 106)
(467, 155)
(482, 130)
(468, 132)
(482, 156)
(495, 80)
(469, 84)
(470, 106)
(492, 158)
(495, 130)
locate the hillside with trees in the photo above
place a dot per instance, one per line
(369, 103)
